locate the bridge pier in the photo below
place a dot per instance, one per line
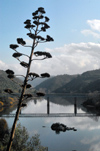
(75, 106)
(48, 106)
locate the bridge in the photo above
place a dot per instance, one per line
(33, 115)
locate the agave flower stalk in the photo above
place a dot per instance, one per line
(37, 27)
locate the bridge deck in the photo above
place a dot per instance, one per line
(51, 115)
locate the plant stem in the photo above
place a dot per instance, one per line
(21, 97)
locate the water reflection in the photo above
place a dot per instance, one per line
(59, 127)
(87, 136)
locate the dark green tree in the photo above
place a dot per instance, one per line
(3, 128)
(35, 27)
(22, 141)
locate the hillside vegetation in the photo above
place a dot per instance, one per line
(8, 83)
(54, 83)
(84, 83)
(10, 99)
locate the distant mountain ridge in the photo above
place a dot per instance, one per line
(54, 83)
(84, 83)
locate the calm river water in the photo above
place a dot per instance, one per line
(86, 138)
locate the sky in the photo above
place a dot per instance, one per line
(74, 26)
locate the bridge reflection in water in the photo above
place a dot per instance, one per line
(48, 114)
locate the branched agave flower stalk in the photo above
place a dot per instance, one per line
(39, 25)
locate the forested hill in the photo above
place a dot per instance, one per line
(8, 83)
(84, 83)
(87, 82)
(54, 83)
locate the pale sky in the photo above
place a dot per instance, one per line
(74, 25)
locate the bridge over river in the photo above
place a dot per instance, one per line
(33, 115)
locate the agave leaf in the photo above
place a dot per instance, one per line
(8, 71)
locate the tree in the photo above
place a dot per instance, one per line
(39, 25)
(22, 141)
(3, 128)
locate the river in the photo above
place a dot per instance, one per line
(87, 136)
